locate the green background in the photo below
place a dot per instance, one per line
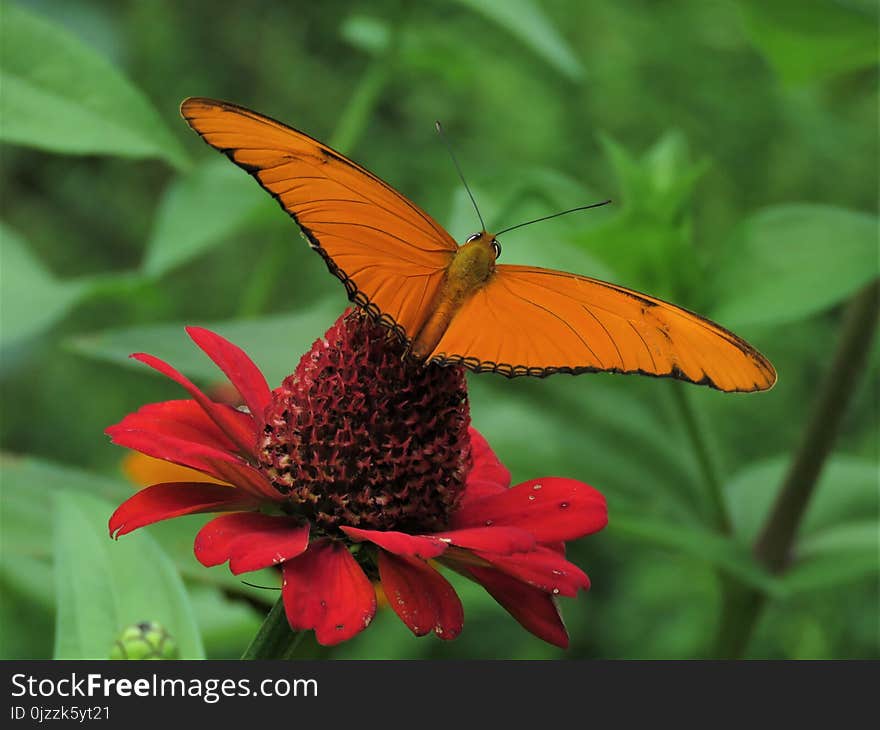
(739, 142)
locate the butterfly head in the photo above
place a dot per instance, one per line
(484, 240)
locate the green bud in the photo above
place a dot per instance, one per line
(145, 640)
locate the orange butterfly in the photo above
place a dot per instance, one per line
(452, 303)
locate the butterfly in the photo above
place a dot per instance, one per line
(453, 303)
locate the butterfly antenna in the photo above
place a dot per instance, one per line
(442, 134)
(555, 215)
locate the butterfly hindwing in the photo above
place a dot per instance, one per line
(532, 321)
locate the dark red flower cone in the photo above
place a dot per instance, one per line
(359, 467)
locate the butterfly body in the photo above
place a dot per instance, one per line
(453, 304)
(471, 267)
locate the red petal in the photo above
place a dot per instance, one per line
(542, 568)
(535, 610)
(238, 367)
(246, 477)
(325, 589)
(250, 541)
(243, 434)
(164, 501)
(490, 539)
(424, 599)
(183, 419)
(552, 509)
(399, 543)
(170, 448)
(488, 475)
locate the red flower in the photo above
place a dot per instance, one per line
(359, 467)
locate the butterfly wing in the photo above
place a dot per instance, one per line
(390, 254)
(532, 321)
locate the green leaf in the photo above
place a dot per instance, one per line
(729, 556)
(837, 542)
(527, 22)
(847, 490)
(827, 572)
(648, 240)
(857, 536)
(667, 602)
(790, 261)
(34, 479)
(26, 518)
(31, 299)
(812, 41)
(30, 577)
(660, 182)
(104, 587)
(31, 637)
(28, 484)
(833, 556)
(59, 95)
(199, 211)
(274, 343)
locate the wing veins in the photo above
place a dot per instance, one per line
(396, 195)
(647, 349)
(705, 324)
(555, 316)
(396, 256)
(378, 230)
(613, 341)
(275, 126)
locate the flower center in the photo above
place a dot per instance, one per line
(358, 437)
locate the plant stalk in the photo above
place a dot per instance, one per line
(275, 639)
(743, 606)
(773, 545)
(705, 461)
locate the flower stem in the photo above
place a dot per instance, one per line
(275, 639)
(258, 290)
(367, 94)
(354, 119)
(705, 461)
(776, 538)
(742, 606)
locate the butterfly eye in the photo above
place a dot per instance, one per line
(473, 237)
(496, 247)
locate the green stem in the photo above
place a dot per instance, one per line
(353, 120)
(275, 639)
(258, 290)
(703, 453)
(742, 606)
(777, 537)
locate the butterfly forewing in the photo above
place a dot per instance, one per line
(390, 254)
(532, 321)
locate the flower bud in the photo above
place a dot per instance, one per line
(145, 640)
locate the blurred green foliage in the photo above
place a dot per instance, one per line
(738, 140)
